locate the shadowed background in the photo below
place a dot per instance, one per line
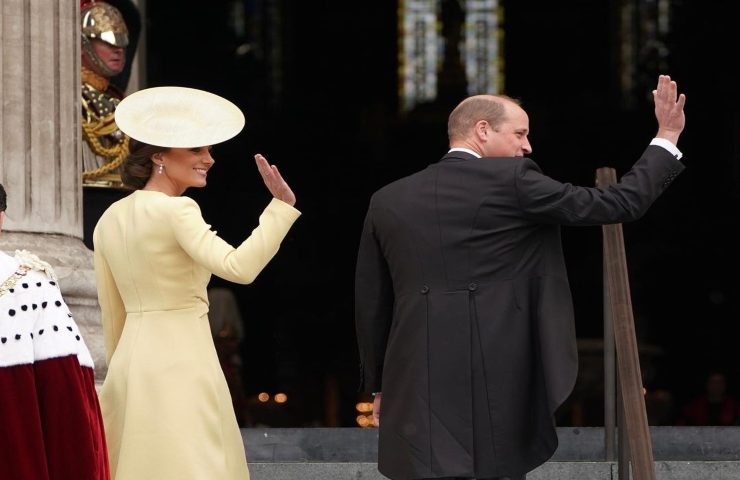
(318, 82)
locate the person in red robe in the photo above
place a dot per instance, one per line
(50, 422)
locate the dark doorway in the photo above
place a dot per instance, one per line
(318, 84)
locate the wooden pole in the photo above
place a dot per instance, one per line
(628, 360)
(610, 375)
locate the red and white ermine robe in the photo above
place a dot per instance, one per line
(50, 422)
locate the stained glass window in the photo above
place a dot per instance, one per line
(482, 58)
(422, 48)
(420, 51)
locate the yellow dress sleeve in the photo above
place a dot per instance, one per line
(241, 264)
(111, 304)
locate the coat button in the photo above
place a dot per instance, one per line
(473, 287)
(424, 290)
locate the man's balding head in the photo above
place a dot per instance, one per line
(462, 120)
(490, 126)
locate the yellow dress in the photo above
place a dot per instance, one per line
(166, 405)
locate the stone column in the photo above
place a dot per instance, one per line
(138, 67)
(40, 142)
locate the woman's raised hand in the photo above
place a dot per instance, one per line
(274, 181)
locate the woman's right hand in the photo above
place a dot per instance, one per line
(274, 181)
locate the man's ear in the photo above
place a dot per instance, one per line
(2, 217)
(481, 129)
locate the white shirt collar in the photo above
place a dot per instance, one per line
(466, 150)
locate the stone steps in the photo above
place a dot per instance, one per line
(681, 453)
(665, 470)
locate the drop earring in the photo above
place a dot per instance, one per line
(161, 168)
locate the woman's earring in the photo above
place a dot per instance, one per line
(161, 168)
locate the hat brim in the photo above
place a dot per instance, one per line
(178, 117)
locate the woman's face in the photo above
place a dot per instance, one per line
(183, 167)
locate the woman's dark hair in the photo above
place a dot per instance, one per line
(137, 168)
(3, 198)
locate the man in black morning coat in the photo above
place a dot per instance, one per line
(463, 310)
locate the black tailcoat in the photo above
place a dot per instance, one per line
(463, 309)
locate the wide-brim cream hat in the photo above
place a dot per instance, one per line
(178, 117)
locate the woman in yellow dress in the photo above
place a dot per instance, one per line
(166, 405)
